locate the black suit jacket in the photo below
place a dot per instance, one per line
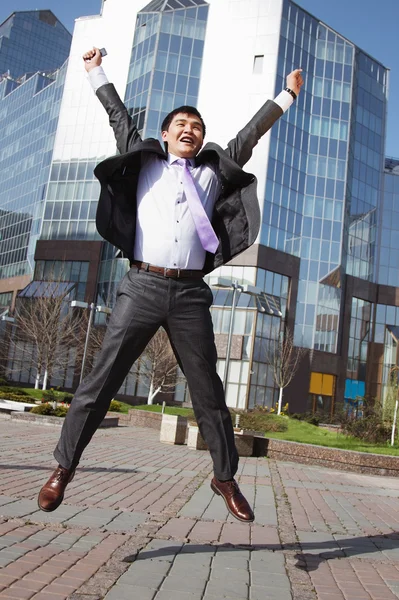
(236, 216)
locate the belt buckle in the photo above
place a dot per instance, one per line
(165, 270)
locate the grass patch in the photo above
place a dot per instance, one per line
(299, 431)
(169, 410)
(35, 394)
(38, 395)
(274, 426)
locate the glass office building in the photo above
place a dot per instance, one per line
(28, 121)
(33, 47)
(32, 41)
(325, 262)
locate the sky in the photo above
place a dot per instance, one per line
(369, 24)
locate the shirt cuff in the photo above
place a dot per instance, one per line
(284, 100)
(97, 78)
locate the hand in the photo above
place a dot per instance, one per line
(295, 81)
(92, 59)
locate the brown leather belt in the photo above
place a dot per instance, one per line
(178, 273)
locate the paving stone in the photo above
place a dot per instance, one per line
(93, 517)
(351, 518)
(126, 592)
(164, 550)
(230, 574)
(5, 500)
(127, 522)
(19, 508)
(270, 580)
(63, 513)
(145, 578)
(227, 589)
(234, 562)
(259, 593)
(177, 595)
(152, 566)
(180, 570)
(192, 584)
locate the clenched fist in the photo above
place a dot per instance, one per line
(92, 59)
(295, 81)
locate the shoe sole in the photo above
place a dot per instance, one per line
(216, 491)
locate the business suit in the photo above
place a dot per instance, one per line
(146, 301)
(236, 218)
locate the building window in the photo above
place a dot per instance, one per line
(258, 64)
(321, 393)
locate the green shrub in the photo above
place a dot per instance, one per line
(9, 389)
(56, 396)
(46, 408)
(115, 406)
(66, 397)
(60, 411)
(15, 397)
(42, 409)
(369, 428)
(49, 395)
(3, 381)
(260, 420)
(311, 418)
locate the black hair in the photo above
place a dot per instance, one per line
(186, 110)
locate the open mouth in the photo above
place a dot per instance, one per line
(187, 140)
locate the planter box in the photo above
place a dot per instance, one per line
(244, 443)
(8, 406)
(57, 421)
(145, 418)
(335, 458)
(173, 429)
(195, 439)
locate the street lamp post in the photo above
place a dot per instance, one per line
(251, 290)
(393, 370)
(236, 291)
(93, 309)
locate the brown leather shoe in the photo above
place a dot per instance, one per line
(52, 493)
(235, 501)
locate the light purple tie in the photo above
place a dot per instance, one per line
(202, 224)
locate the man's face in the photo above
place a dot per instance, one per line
(184, 136)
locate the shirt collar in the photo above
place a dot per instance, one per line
(172, 158)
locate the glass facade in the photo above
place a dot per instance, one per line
(374, 328)
(71, 201)
(165, 65)
(28, 121)
(365, 166)
(326, 201)
(71, 271)
(388, 259)
(310, 189)
(269, 328)
(250, 380)
(32, 41)
(164, 72)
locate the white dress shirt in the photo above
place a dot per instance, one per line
(165, 232)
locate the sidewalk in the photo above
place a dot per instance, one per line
(139, 522)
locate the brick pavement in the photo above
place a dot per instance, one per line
(140, 521)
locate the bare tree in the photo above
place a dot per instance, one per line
(46, 334)
(284, 358)
(158, 367)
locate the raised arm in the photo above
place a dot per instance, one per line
(125, 131)
(240, 148)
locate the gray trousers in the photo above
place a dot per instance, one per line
(145, 302)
